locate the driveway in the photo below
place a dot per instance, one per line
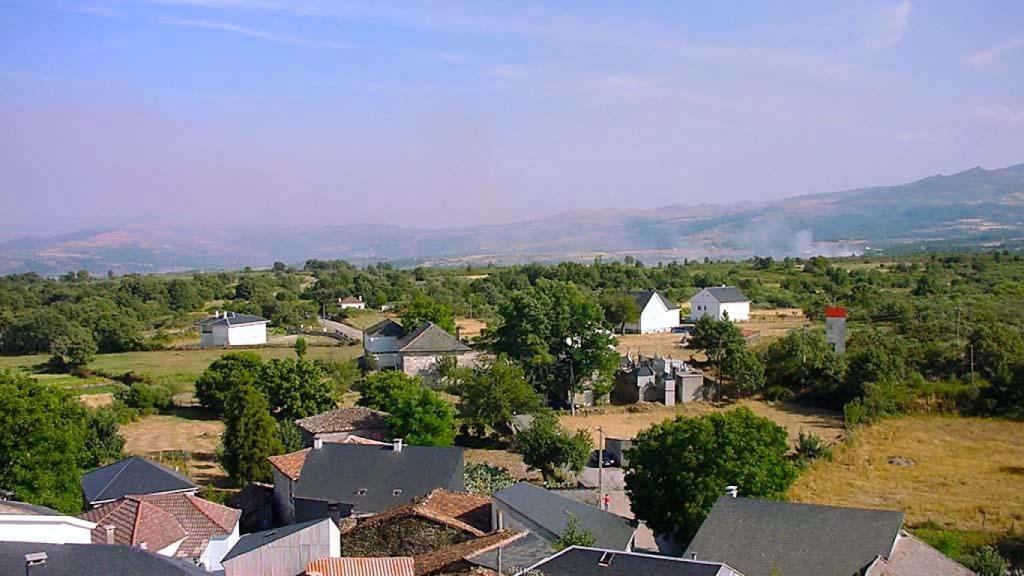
(344, 329)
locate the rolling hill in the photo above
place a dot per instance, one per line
(974, 208)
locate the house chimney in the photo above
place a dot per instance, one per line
(34, 559)
(396, 444)
(732, 491)
(143, 546)
(458, 332)
(109, 528)
(693, 555)
(318, 443)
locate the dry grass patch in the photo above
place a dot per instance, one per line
(504, 459)
(155, 436)
(628, 421)
(470, 327)
(961, 473)
(663, 344)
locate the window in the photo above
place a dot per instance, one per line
(361, 492)
(396, 492)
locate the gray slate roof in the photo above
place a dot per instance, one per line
(580, 561)
(386, 327)
(132, 476)
(250, 542)
(518, 555)
(344, 420)
(335, 472)
(757, 536)
(91, 560)
(726, 294)
(431, 338)
(232, 319)
(642, 298)
(552, 512)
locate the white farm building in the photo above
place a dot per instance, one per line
(231, 329)
(719, 303)
(657, 313)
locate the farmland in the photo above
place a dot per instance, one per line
(962, 473)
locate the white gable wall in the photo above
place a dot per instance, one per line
(247, 334)
(45, 529)
(655, 317)
(218, 547)
(704, 304)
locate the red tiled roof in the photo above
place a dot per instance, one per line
(290, 464)
(159, 520)
(460, 510)
(400, 566)
(433, 562)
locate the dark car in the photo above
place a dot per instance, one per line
(607, 459)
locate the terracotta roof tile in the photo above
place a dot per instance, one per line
(201, 519)
(460, 510)
(401, 566)
(435, 561)
(290, 464)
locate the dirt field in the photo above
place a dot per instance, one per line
(470, 327)
(151, 435)
(771, 324)
(508, 460)
(664, 344)
(961, 473)
(617, 422)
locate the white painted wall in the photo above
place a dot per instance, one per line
(45, 529)
(655, 317)
(218, 547)
(738, 311)
(247, 334)
(171, 550)
(704, 304)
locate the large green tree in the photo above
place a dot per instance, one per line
(619, 310)
(554, 331)
(215, 383)
(494, 393)
(803, 363)
(677, 469)
(549, 447)
(295, 388)
(73, 348)
(417, 414)
(250, 435)
(425, 309)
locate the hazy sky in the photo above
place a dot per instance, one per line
(452, 114)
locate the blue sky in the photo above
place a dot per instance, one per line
(308, 112)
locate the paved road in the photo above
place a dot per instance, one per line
(345, 329)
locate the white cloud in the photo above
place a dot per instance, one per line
(990, 59)
(887, 26)
(251, 32)
(1002, 114)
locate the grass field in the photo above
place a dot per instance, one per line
(363, 319)
(620, 422)
(961, 473)
(189, 431)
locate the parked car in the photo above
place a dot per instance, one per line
(607, 459)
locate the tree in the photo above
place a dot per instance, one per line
(301, 347)
(554, 331)
(183, 296)
(677, 469)
(214, 384)
(986, 561)
(423, 309)
(744, 369)
(295, 388)
(574, 535)
(494, 393)
(250, 434)
(103, 440)
(72, 349)
(43, 434)
(482, 478)
(619, 310)
(549, 447)
(876, 357)
(802, 362)
(416, 414)
(715, 338)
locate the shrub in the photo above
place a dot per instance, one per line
(549, 447)
(986, 561)
(574, 535)
(486, 479)
(146, 398)
(810, 447)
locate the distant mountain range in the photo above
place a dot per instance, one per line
(975, 208)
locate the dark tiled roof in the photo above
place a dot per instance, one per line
(642, 298)
(91, 560)
(758, 536)
(579, 561)
(250, 542)
(133, 475)
(518, 555)
(337, 472)
(552, 512)
(431, 338)
(232, 319)
(9, 508)
(344, 420)
(386, 327)
(727, 294)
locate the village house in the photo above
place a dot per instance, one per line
(47, 559)
(719, 303)
(352, 303)
(417, 353)
(176, 524)
(343, 423)
(231, 329)
(354, 480)
(657, 379)
(657, 313)
(584, 561)
(21, 522)
(284, 551)
(763, 537)
(132, 476)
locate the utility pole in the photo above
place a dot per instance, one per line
(957, 325)
(972, 363)
(600, 467)
(572, 387)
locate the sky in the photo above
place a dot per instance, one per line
(248, 113)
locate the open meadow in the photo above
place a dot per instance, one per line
(962, 473)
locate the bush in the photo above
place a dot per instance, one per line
(486, 479)
(810, 447)
(986, 561)
(549, 447)
(146, 398)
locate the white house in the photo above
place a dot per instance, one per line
(719, 302)
(284, 551)
(21, 522)
(352, 303)
(231, 329)
(657, 313)
(381, 341)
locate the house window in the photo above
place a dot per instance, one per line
(361, 492)
(396, 492)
